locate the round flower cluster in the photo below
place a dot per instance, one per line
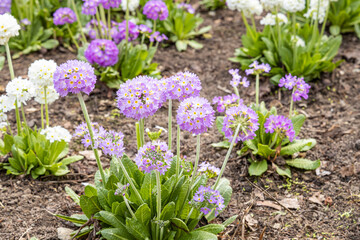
(154, 156)
(3, 118)
(182, 86)
(41, 72)
(301, 88)
(271, 4)
(56, 134)
(187, 7)
(226, 101)
(102, 52)
(51, 95)
(74, 76)
(281, 125)
(156, 9)
(89, 7)
(63, 16)
(195, 115)
(83, 131)
(7, 103)
(299, 42)
(249, 8)
(21, 89)
(246, 117)
(5, 6)
(111, 143)
(237, 79)
(133, 5)
(208, 199)
(270, 19)
(9, 27)
(122, 189)
(144, 29)
(118, 31)
(140, 97)
(111, 3)
(317, 10)
(257, 68)
(293, 5)
(210, 170)
(158, 37)
(93, 29)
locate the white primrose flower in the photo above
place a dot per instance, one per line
(3, 124)
(51, 95)
(270, 19)
(20, 88)
(3, 116)
(299, 42)
(56, 133)
(7, 103)
(41, 72)
(317, 8)
(293, 5)
(271, 4)
(133, 5)
(9, 27)
(249, 8)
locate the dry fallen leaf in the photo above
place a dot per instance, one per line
(291, 203)
(268, 204)
(317, 198)
(251, 222)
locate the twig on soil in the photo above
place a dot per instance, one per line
(223, 89)
(269, 195)
(2, 205)
(27, 230)
(262, 233)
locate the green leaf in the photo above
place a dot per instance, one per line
(211, 228)
(298, 121)
(199, 235)
(181, 45)
(265, 150)
(308, 147)
(137, 229)
(223, 144)
(116, 234)
(90, 191)
(295, 146)
(195, 44)
(179, 224)
(286, 172)
(258, 168)
(230, 220)
(143, 214)
(90, 205)
(303, 163)
(2, 61)
(72, 219)
(71, 159)
(111, 219)
(168, 211)
(50, 44)
(335, 30)
(219, 124)
(73, 195)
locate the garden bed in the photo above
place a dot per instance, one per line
(328, 199)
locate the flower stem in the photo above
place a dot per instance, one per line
(128, 207)
(278, 27)
(18, 120)
(158, 202)
(257, 90)
(79, 21)
(138, 139)
(130, 181)
(11, 68)
(227, 156)
(170, 124)
(109, 22)
(23, 114)
(293, 42)
(177, 152)
(188, 216)
(46, 109)
(96, 153)
(8, 124)
(275, 139)
(42, 115)
(142, 132)
(72, 36)
(291, 103)
(154, 29)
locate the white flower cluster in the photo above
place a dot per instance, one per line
(270, 19)
(249, 8)
(9, 27)
(293, 5)
(56, 134)
(41, 72)
(133, 5)
(6, 104)
(21, 89)
(299, 42)
(51, 95)
(317, 9)
(271, 4)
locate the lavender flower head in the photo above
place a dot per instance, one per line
(226, 101)
(5, 6)
(182, 86)
(111, 143)
(93, 29)
(118, 31)
(102, 52)
(195, 115)
(111, 3)
(210, 170)
(83, 131)
(298, 85)
(237, 79)
(246, 117)
(122, 189)
(281, 125)
(144, 29)
(156, 9)
(154, 156)
(89, 7)
(257, 68)
(140, 97)
(63, 16)
(25, 22)
(74, 76)
(207, 199)
(158, 37)
(187, 7)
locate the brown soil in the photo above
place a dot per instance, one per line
(333, 112)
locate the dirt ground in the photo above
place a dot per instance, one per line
(322, 205)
